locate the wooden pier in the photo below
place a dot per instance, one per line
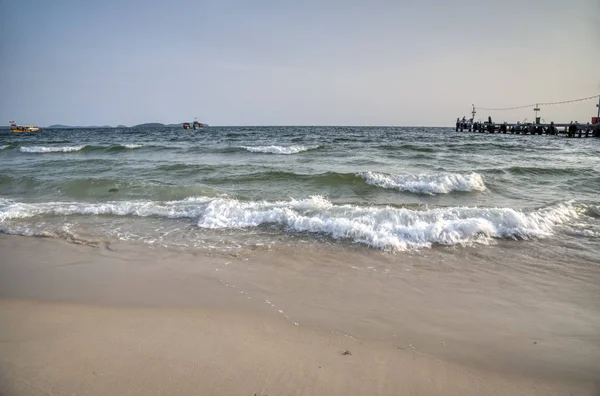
(575, 130)
(572, 129)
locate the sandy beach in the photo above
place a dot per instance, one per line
(316, 198)
(120, 320)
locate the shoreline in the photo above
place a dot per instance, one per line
(79, 319)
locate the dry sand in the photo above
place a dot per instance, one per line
(77, 320)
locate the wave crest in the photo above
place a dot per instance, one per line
(294, 149)
(443, 183)
(387, 228)
(48, 149)
(84, 148)
(133, 146)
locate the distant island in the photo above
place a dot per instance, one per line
(144, 125)
(159, 125)
(150, 125)
(60, 126)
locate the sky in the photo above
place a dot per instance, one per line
(311, 62)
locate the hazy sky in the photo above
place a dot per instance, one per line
(260, 62)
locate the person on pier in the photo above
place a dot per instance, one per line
(571, 130)
(587, 130)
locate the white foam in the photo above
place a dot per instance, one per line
(379, 227)
(45, 149)
(171, 209)
(25, 232)
(133, 146)
(3, 147)
(279, 149)
(388, 227)
(442, 183)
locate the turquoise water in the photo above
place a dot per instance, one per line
(393, 189)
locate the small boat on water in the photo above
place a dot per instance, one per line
(23, 128)
(194, 125)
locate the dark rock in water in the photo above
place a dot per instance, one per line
(113, 190)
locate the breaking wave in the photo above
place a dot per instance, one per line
(82, 148)
(443, 183)
(279, 149)
(117, 147)
(46, 149)
(133, 146)
(382, 227)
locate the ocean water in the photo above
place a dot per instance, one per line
(226, 188)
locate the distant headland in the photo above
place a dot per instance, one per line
(144, 125)
(60, 126)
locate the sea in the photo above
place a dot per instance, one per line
(391, 224)
(223, 188)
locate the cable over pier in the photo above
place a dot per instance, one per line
(572, 129)
(539, 104)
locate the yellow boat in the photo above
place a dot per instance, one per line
(23, 128)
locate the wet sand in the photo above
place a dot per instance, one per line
(129, 320)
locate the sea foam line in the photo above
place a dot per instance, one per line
(47, 149)
(388, 228)
(133, 146)
(294, 149)
(442, 183)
